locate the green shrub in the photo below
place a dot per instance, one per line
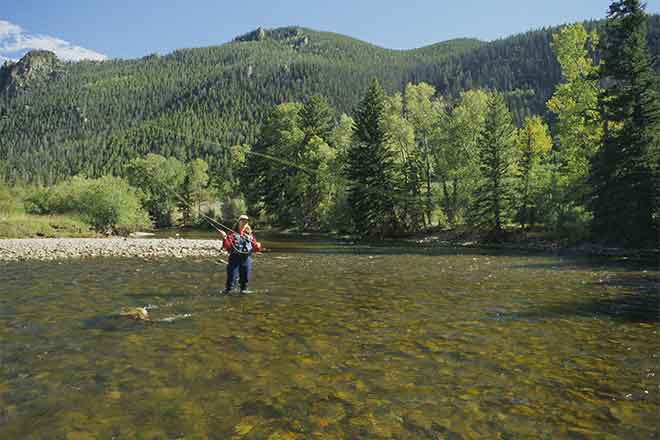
(108, 204)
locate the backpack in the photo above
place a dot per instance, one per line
(242, 244)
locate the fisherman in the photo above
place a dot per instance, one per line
(241, 244)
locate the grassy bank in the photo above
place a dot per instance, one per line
(32, 226)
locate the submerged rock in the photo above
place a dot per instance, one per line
(136, 313)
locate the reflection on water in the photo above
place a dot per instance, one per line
(335, 342)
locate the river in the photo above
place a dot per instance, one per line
(335, 341)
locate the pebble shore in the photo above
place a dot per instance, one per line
(47, 249)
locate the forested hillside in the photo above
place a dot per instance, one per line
(60, 119)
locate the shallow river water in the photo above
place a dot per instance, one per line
(335, 341)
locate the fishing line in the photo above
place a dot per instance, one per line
(253, 153)
(313, 173)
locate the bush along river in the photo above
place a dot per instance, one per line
(335, 341)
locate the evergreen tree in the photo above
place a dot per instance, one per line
(625, 171)
(371, 169)
(317, 118)
(493, 195)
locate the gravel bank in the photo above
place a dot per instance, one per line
(63, 248)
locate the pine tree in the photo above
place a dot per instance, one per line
(493, 195)
(625, 171)
(317, 118)
(371, 169)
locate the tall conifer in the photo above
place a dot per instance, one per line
(371, 169)
(493, 197)
(625, 171)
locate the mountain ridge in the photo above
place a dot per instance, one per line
(93, 116)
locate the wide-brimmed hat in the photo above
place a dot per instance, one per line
(243, 217)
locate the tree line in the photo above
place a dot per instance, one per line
(404, 162)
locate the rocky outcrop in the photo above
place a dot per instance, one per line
(36, 66)
(293, 36)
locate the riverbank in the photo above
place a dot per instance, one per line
(66, 248)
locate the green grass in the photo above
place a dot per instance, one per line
(29, 226)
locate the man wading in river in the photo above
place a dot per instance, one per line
(240, 243)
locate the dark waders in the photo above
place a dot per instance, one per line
(238, 266)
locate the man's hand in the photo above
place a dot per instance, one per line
(223, 234)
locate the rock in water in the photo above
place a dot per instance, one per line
(136, 313)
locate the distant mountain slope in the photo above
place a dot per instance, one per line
(91, 117)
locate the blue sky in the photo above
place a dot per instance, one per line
(133, 28)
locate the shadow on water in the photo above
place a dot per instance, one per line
(572, 262)
(395, 249)
(640, 305)
(114, 323)
(160, 295)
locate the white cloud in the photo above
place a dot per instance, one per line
(15, 42)
(7, 28)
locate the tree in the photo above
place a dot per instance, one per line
(575, 103)
(110, 204)
(339, 213)
(625, 171)
(532, 142)
(195, 181)
(457, 157)
(269, 180)
(294, 164)
(317, 118)
(410, 167)
(158, 178)
(424, 113)
(315, 154)
(496, 160)
(371, 169)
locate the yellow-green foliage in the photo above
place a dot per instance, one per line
(575, 101)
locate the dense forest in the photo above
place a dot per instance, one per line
(61, 119)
